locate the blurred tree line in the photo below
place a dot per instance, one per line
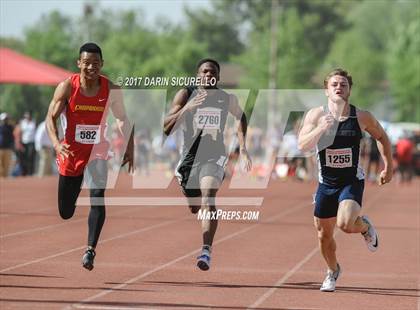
(378, 42)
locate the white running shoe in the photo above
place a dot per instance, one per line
(329, 283)
(371, 236)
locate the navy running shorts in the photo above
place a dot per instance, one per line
(328, 198)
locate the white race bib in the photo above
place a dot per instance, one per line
(208, 118)
(339, 158)
(88, 134)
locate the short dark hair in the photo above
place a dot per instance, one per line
(202, 61)
(90, 48)
(341, 72)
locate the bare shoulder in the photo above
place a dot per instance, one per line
(314, 114)
(113, 86)
(63, 89)
(234, 106)
(233, 99)
(61, 97)
(66, 83)
(180, 98)
(363, 114)
(115, 94)
(365, 118)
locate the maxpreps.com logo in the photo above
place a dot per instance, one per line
(89, 108)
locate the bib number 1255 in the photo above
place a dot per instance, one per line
(338, 158)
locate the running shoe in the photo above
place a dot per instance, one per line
(330, 280)
(370, 236)
(203, 261)
(87, 260)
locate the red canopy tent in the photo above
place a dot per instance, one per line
(20, 69)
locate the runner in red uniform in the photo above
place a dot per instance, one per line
(84, 127)
(83, 101)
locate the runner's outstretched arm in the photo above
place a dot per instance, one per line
(237, 112)
(56, 107)
(123, 123)
(369, 123)
(180, 105)
(314, 125)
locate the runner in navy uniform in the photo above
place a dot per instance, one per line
(202, 113)
(335, 130)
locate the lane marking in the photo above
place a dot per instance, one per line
(168, 201)
(147, 228)
(163, 266)
(67, 222)
(300, 264)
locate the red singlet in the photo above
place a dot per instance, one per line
(84, 125)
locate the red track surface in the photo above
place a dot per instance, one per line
(146, 255)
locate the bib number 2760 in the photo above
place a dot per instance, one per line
(208, 118)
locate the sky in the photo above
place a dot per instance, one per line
(15, 15)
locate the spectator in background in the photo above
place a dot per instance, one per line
(19, 151)
(293, 157)
(117, 144)
(45, 150)
(143, 146)
(27, 128)
(274, 139)
(404, 155)
(171, 149)
(6, 144)
(373, 160)
(256, 141)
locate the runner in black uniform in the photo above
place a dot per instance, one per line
(204, 150)
(336, 130)
(202, 113)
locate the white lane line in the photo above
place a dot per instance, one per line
(113, 308)
(84, 246)
(40, 228)
(282, 280)
(5, 213)
(299, 265)
(168, 201)
(163, 266)
(147, 201)
(143, 202)
(67, 222)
